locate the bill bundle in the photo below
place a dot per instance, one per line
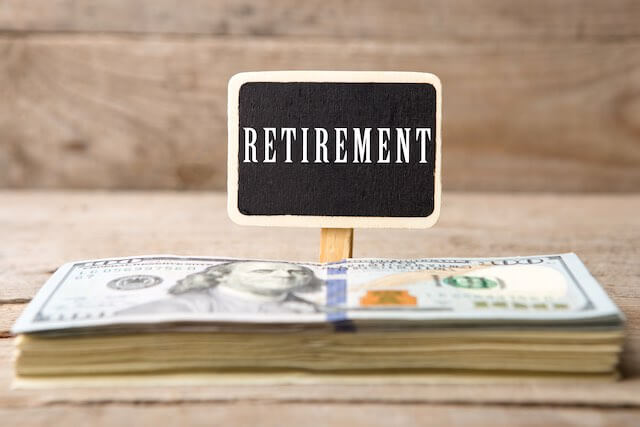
(167, 318)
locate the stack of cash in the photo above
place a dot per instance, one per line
(360, 320)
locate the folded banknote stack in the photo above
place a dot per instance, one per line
(170, 318)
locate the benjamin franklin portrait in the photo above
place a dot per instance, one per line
(240, 287)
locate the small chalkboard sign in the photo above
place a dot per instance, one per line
(334, 149)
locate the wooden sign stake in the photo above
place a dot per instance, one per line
(336, 244)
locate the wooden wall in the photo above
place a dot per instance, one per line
(538, 95)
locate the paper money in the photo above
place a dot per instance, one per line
(555, 289)
(360, 320)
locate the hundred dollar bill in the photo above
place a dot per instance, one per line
(174, 290)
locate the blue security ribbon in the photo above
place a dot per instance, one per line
(337, 298)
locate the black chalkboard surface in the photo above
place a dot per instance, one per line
(334, 149)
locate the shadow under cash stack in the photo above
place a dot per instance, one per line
(169, 319)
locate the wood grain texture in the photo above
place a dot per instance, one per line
(124, 112)
(336, 244)
(43, 229)
(46, 229)
(8, 315)
(372, 19)
(326, 414)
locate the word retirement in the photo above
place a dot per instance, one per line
(337, 145)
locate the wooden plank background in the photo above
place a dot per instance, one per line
(538, 96)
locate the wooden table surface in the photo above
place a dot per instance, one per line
(41, 230)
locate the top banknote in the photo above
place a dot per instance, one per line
(175, 291)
